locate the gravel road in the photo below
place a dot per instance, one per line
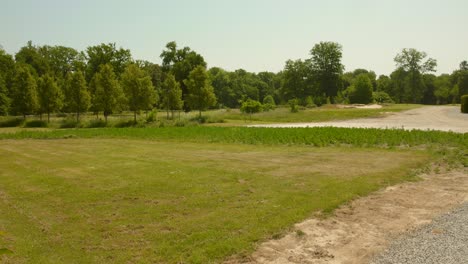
(445, 118)
(445, 240)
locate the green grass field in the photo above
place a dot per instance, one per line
(192, 194)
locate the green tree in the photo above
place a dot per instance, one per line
(296, 79)
(30, 55)
(251, 107)
(4, 99)
(361, 90)
(50, 96)
(24, 96)
(77, 98)
(108, 95)
(171, 95)
(415, 64)
(442, 89)
(106, 54)
(200, 92)
(181, 62)
(138, 89)
(327, 68)
(221, 82)
(7, 70)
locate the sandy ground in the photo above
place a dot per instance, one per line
(445, 118)
(365, 227)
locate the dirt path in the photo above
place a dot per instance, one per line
(445, 118)
(358, 231)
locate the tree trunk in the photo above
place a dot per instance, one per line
(48, 117)
(134, 116)
(40, 116)
(199, 114)
(78, 116)
(105, 117)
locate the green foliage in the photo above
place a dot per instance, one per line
(108, 96)
(69, 123)
(138, 89)
(296, 77)
(293, 105)
(24, 95)
(104, 54)
(96, 123)
(171, 95)
(200, 92)
(251, 107)
(50, 95)
(151, 116)
(326, 67)
(317, 136)
(12, 122)
(77, 98)
(126, 123)
(361, 90)
(382, 98)
(464, 104)
(36, 123)
(269, 103)
(4, 99)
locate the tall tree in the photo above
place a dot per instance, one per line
(181, 62)
(4, 99)
(7, 70)
(24, 91)
(327, 68)
(200, 92)
(414, 62)
(50, 96)
(30, 55)
(77, 98)
(138, 89)
(106, 54)
(296, 82)
(108, 96)
(171, 95)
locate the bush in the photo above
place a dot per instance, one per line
(294, 105)
(320, 100)
(96, 123)
(309, 102)
(382, 98)
(151, 117)
(36, 123)
(127, 123)
(269, 103)
(13, 122)
(464, 104)
(69, 123)
(251, 107)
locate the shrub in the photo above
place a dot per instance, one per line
(251, 107)
(294, 105)
(125, 123)
(36, 123)
(309, 102)
(320, 100)
(96, 123)
(151, 117)
(382, 98)
(69, 123)
(464, 104)
(268, 103)
(13, 122)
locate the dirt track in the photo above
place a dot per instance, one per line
(365, 227)
(445, 118)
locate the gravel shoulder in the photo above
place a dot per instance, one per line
(444, 118)
(445, 240)
(367, 226)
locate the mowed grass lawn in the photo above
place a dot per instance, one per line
(117, 200)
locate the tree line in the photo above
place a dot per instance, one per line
(105, 79)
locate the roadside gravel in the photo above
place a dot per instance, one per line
(445, 240)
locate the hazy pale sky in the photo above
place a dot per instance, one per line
(256, 35)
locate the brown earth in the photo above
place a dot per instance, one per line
(356, 232)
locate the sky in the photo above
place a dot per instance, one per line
(255, 35)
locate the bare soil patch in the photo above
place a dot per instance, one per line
(356, 232)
